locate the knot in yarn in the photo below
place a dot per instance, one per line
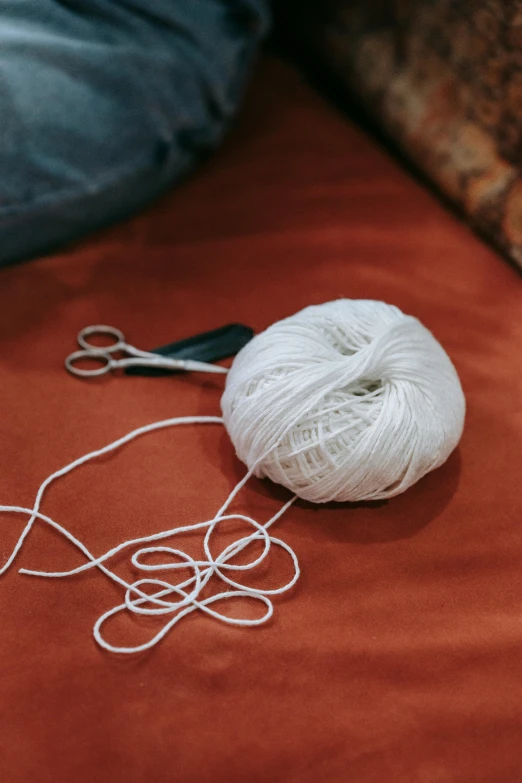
(344, 401)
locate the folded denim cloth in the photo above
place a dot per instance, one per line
(105, 104)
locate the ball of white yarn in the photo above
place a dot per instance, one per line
(349, 400)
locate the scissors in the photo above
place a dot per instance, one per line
(105, 355)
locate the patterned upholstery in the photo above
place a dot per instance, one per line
(444, 78)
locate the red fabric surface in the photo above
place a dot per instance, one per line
(398, 655)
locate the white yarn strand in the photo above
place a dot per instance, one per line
(139, 602)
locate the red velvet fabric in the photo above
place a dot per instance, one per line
(398, 655)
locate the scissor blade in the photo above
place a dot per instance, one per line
(206, 347)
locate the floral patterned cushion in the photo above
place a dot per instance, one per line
(444, 77)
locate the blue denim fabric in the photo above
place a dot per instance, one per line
(104, 103)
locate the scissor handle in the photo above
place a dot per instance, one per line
(104, 331)
(104, 358)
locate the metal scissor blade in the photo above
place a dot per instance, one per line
(206, 347)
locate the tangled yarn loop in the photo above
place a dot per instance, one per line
(180, 598)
